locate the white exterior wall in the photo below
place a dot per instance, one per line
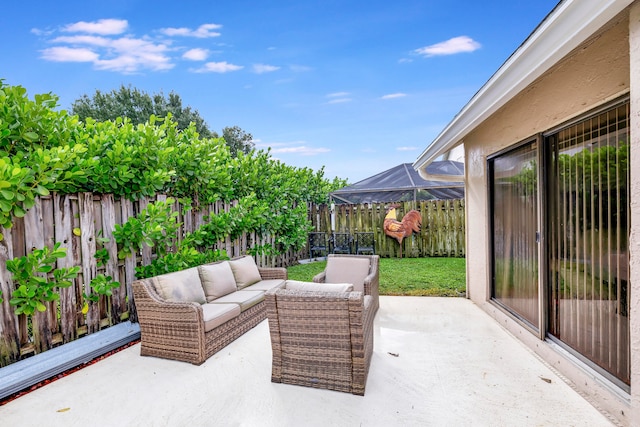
(595, 73)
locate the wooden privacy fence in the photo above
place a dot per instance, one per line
(443, 226)
(77, 221)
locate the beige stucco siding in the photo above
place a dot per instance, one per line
(592, 75)
(595, 73)
(634, 241)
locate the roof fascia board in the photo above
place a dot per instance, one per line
(564, 29)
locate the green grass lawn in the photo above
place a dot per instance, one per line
(443, 277)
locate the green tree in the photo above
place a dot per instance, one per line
(238, 140)
(138, 106)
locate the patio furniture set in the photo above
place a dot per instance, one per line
(321, 332)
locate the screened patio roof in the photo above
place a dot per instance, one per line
(403, 183)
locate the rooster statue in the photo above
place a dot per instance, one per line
(411, 222)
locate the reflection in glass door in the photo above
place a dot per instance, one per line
(514, 206)
(588, 240)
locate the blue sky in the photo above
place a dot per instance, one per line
(355, 86)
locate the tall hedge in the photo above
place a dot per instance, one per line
(44, 149)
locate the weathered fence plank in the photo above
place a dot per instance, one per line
(34, 233)
(129, 262)
(9, 338)
(64, 235)
(116, 306)
(88, 249)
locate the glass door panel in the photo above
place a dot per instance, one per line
(514, 205)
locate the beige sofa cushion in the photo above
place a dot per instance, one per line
(217, 280)
(314, 287)
(245, 271)
(245, 299)
(182, 286)
(216, 314)
(347, 270)
(264, 285)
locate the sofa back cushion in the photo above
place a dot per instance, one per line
(347, 270)
(182, 286)
(314, 287)
(245, 271)
(217, 280)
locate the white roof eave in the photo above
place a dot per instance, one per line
(564, 29)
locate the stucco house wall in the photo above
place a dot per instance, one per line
(593, 74)
(597, 72)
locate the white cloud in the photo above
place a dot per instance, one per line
(450, 47)
(69, 54)
(264, 68)
(407, 148)
(202, 32)
(339, 100)
(218, 67)
(393, 95)
(101, 26)
(337, 95)
(103, 44)
(125, 54)
(196, 54)
(90, 40)
(301, 150)
(299, 68)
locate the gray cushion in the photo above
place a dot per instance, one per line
(322, 287)
(216, 314)
(264, 285)
(245, 271)
(217, 280)
(245, 299)
(347, 270)
(183, 286)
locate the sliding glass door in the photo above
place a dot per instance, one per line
(514, 189)
(588, 239)
(578, 295)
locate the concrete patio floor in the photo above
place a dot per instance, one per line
(436, 362)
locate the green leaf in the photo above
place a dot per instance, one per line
(5, 206)
(31, 136)
(42, 191)
(77, 231)
(18, 211)
(9, 195)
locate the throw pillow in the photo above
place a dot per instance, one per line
(315, 287)
(217, 280)
(347, 270)
(182, 286)
(245, 271)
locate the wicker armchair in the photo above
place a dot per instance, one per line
(321, 339)
(352, 269)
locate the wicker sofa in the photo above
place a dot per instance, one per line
(191, 314)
